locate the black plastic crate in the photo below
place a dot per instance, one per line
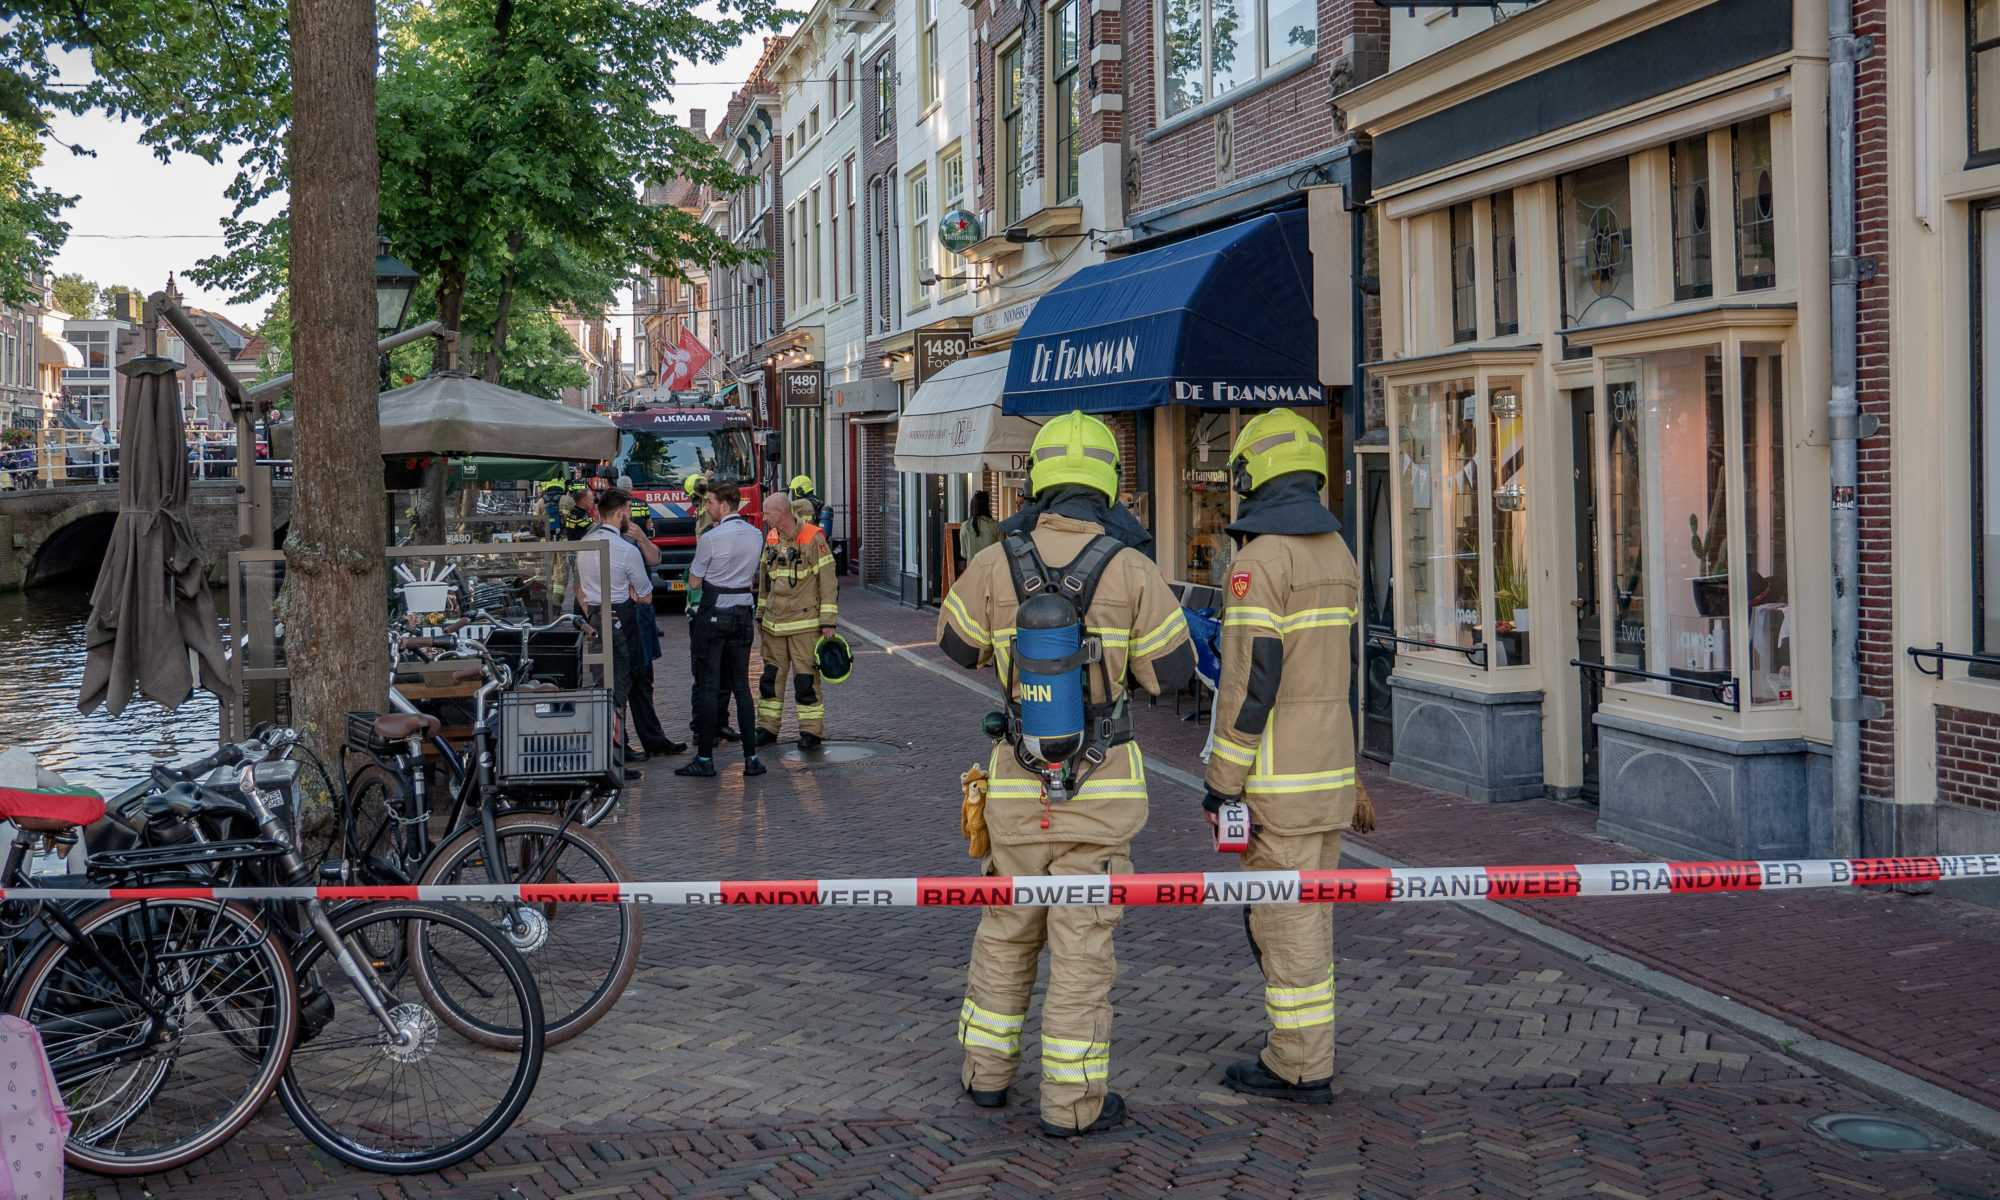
(557, 654)
(554, 737)
(361, 734)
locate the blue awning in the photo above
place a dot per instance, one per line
(1224, 320)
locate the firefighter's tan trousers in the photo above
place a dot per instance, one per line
(1076, 1010)
(789, 661)
(1295, 947)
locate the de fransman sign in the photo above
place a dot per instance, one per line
(1109, 373)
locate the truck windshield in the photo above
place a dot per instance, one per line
(664, 460)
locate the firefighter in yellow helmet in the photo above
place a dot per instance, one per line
(1063, 613)
(696, 487)
(805, 501)
(798, 602)
(1283, 742)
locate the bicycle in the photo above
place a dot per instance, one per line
(583, 955)
(230, 1001)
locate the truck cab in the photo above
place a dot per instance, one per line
(658, 448)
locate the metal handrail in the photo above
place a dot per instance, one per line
(1475, 654)
(1725, 691)
(1918, 654)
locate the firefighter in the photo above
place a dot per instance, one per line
(799, 599)
(1064, 613)
(805, 501)
(696, 487)
(1286, 620)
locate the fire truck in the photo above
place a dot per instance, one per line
(660, 447)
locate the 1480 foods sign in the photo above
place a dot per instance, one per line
(937, 349)
(804, 386)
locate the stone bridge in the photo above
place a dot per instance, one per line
(48, 534)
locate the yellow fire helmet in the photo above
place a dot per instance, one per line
(695, 486)
(1273, 443)
(1075, 448)
(802, 486)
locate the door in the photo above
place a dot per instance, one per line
(1589, 633)
(1378, 591)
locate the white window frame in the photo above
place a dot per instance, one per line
(1209, 96)
(951, 194)
(917, 186)
(930, 86)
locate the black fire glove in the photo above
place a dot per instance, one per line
(1212, 802)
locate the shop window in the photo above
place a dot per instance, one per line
(1756, 215)
(1596, 244)
(1016, 148)
(1213, 47)
(1670, 585)
(1205, 498)
(1766, 579)
(1065, 84)
(1506, 268)
(929, 84)
(1985, 433)
(1438, 447)
(920, 237)
(885, 98)
(1508, 452)
(1982, 79)
(1693, 268)
(1464, 276)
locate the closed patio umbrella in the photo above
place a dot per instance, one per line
(151, 617)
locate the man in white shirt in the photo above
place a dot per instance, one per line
(723, 574)
(630, 585)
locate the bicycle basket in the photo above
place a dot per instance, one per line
(554, 737)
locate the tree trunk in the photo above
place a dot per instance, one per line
(336, 589)
(451, 308)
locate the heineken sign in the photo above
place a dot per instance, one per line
(959, 229)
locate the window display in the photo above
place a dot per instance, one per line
(1205, 496)
(1766, 583)
(1438, 451)
(1506, 435)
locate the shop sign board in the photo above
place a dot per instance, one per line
(937, 349)
(803, 386)
(1001, 320)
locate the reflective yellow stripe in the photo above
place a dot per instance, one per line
(811, 712)
(974, 632)
(996, 1031)
(806, 625)
(1300, 1008)
(1243, 614)
(1110, 637)
(1267, 783)
(1070, 1060)
(1229, 751)
(827, 610)
(770, 708)
(1157, 640)
(1317, 618)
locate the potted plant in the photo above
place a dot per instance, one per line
(1510, 604)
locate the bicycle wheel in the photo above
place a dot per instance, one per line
(436, 1099)
(376, 800)
(583, 955)
(195, 992)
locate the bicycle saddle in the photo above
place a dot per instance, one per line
(401, 727)
(537, 685)
(50, 810)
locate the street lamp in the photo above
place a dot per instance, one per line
(395, 282)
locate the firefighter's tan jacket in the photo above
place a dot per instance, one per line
(1283, 740)
(796, 588)
(1140, 623)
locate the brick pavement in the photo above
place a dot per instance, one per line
(790, 1053)
(1905, 979)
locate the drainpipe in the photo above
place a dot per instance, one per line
(1845, 427)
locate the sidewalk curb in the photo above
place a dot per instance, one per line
(1946, 1109)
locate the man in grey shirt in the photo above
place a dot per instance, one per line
(723, 572)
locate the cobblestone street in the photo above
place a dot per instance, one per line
(800, 1053)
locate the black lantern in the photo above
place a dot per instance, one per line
(394, 284)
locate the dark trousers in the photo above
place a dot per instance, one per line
(639, 696)
(698, 667)
(724, 640)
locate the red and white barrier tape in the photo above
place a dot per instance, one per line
(1213, 887)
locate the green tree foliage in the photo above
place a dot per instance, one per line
(31, 224)
(74, 294)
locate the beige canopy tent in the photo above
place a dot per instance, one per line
(954, 425)
(459, 415)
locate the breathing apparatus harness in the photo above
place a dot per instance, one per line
(1054, 729)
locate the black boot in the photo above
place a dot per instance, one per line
(751, 766)
(993, 1099)
(1110, 1117)
(765, 737)
(1252, 1078)
(699, 766)
(667, 749)
(726, 734)
(808, 741)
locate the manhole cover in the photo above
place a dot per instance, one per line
(872, 770)
(828, 754)
(1880, 1132)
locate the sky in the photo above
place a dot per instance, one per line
(137, 219)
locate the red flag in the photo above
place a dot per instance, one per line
(683, 360)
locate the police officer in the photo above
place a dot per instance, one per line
(799, 599)
(724, 572)
(1077, 817)
(1288, 611)
(696, 487)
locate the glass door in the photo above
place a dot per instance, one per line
(1589, 632)
(1377, 545)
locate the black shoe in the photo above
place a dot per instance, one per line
(993, 1099)
(751, 766)
(726, 734)
(632, 755)
(765, 737)
(808, 741)
(1112, 1116)
(1252, 1078)
(667, 749)
(632, 776)
(701, 766)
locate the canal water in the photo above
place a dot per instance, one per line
(41, 673)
